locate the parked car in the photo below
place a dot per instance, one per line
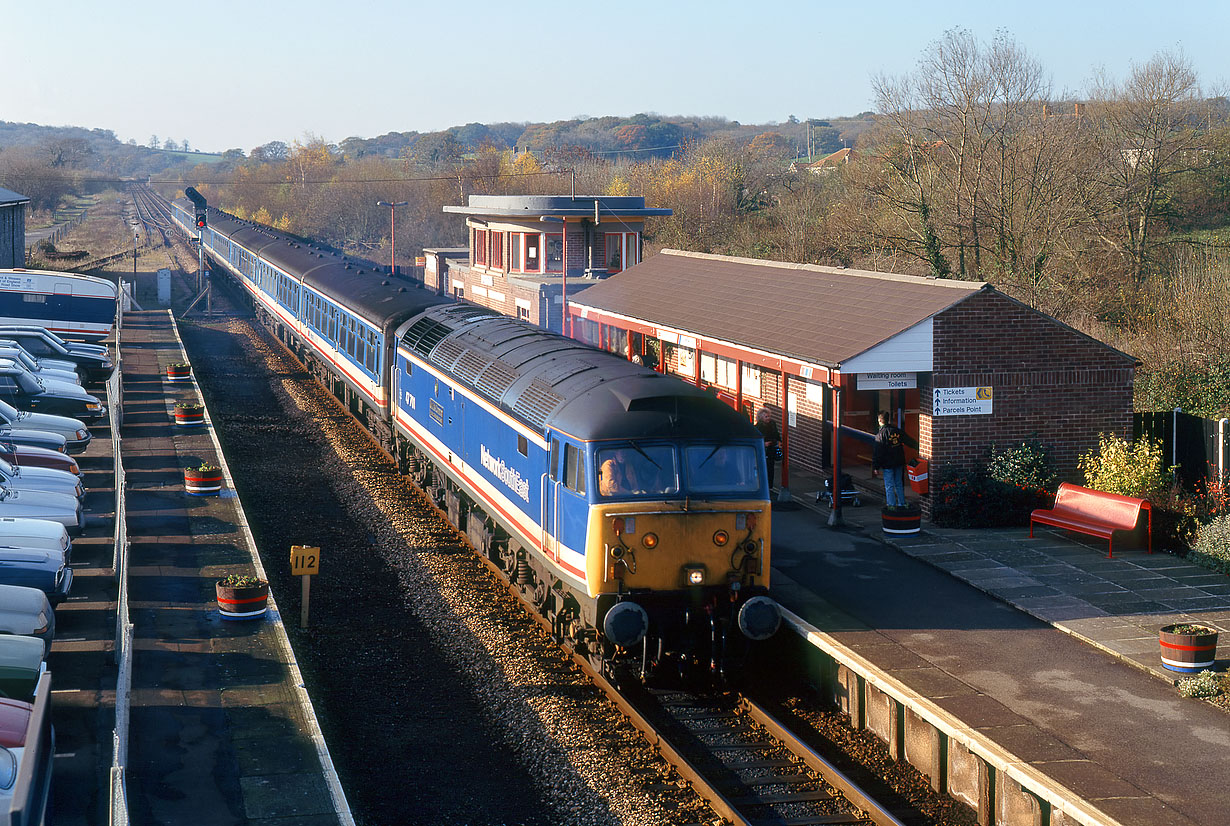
(21, 663)
(29, 456)
(93, 362)
(27, 612)
(40, 504)
(34, 568)
(75, 433)
(33, 438)
(36, 533)
(26, 391)
(50, 363)
(36, 366)
(40, 478)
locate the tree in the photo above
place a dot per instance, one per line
(153, 141)
(1141, 135)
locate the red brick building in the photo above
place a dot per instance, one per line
(958, 364)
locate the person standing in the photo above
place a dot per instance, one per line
(772, 441)
(889, 459)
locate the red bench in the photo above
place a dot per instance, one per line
(1094, 512)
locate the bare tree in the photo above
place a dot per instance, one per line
(1140, 135)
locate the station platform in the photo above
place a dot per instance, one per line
(1043, 645)
(222, 731)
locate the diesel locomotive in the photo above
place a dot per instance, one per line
(631, 509)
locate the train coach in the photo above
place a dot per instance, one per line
(630, 508)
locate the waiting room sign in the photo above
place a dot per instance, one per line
(962, 401)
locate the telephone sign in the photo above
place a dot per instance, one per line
(304, 560)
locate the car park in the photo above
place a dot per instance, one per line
(93, 362)
(76, 435)
(28, 456)
(40, 504)
(35, 366)
(36, 533)
(25, 391)
(27, 612)
(22, 661)
(21, 437)
(34, 568)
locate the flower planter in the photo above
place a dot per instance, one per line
(179, 372)
(1187, 653)
(901, 521)
(189, 415)
(242, 602)
(202, 481)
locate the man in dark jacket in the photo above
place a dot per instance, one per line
(772, 440)
(889, 459)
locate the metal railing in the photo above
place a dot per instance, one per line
(123, 620)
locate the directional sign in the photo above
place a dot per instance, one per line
(963, 401)
(304, 560)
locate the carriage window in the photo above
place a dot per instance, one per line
(574, 468)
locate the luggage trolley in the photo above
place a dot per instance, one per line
(849, 494)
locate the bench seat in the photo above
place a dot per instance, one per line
(1095, 513)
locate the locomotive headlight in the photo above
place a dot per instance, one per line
(720, 538)
(694, 574)
(650, 540)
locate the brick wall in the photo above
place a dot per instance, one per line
(1050, 383)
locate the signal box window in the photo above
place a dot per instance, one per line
(480, 246)
(555, 252)
(533, 263)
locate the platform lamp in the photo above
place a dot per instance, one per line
(392, 205)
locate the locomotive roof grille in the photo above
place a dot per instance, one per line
(537, 403)
(424, 335)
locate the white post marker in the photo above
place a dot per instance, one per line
(304, 561)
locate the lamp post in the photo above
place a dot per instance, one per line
(392, 205)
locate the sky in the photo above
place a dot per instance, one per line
(236, 75)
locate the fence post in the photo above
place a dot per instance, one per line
(1221, 449)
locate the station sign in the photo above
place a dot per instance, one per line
(963, 401)
(887, 381)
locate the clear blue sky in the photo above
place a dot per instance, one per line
(225, 74)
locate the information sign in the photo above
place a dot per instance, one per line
(304, 560)
(887, 381)
(962, 401)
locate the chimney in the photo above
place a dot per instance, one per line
(1046, 111)
(1077, 109)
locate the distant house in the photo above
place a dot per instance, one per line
(826, 164)
(12, 229)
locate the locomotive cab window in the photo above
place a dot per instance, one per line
(574, 468)
(637, 470)
(725, 469)
(523, 445)
(555, 460)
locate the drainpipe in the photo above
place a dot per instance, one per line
(1174, 443)
(1221, 450)
(835, 519)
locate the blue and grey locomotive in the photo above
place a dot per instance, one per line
(630, 508)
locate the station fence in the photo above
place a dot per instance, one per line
(123, 620)
(1198, 448)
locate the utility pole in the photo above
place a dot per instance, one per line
(392, 205)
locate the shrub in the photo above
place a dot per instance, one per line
(1212, 546)
(1026, 465)
(965, 499)
(1204, 686)
(241, 581)
(1127, 468)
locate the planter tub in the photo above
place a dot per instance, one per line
(179, 372)
(1187, 653)
(242, 603)
(190, 416)
(901, 522)
(203, 482)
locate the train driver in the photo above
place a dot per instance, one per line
(616, 477)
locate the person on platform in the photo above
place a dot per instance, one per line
(772, 441)
(888, 459)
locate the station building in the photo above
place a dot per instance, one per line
(12, 229)
(959, 365)
(527, 254)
